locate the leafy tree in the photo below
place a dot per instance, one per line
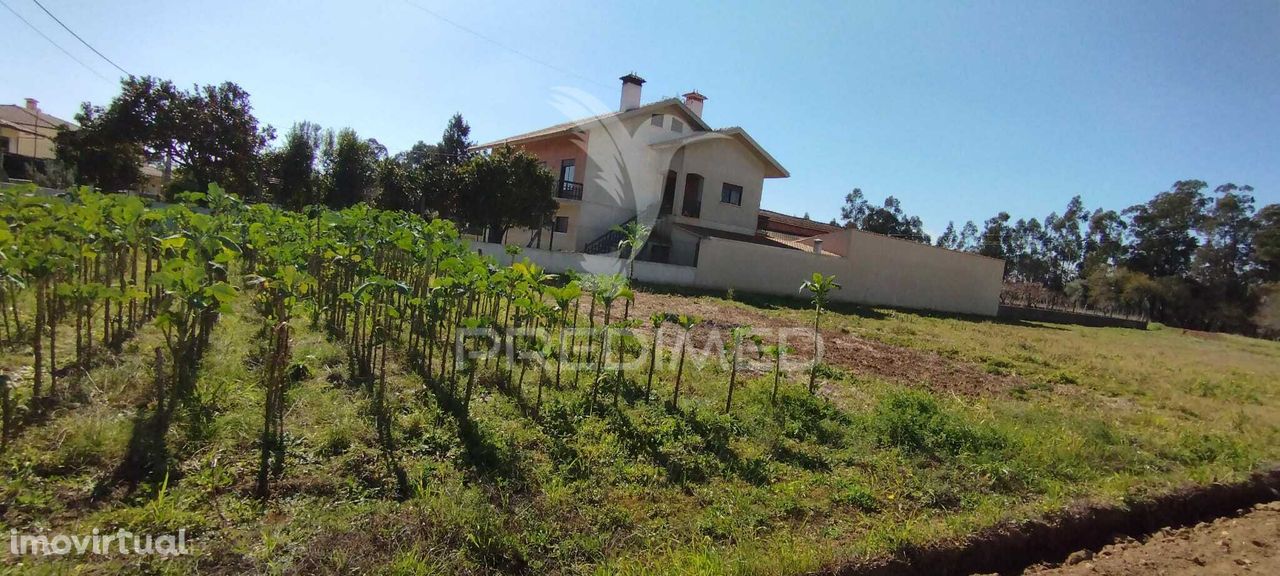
(1163, 230)
(969, 237)
(399, 185)
(351, 169)
(209, 135)
(996, 237)
(1064, 244)
(1266, 243)
(1104, 241)
(949, 239)
(1025, 251)
(455, 144)
(295, 168)
(98, 156)
(889, 220)
(505, 189)
(223, 141)
(1222, 261)
(150, 113)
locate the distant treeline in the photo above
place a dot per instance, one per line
(1187, 257)
(209, 134)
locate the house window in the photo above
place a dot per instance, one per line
(656, 120)
(731, 194)
(4, 144)
(561, 224)
(677, 125)
(567, 170)
(692, 196)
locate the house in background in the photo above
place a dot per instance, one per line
(27, 136)
(701, 188)
(660, 162)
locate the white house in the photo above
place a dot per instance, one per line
(659, 162)
(700, 188)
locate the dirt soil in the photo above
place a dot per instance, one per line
(1247, 544)
(855, 354)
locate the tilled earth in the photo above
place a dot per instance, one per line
(1246, 544)
(855, 354)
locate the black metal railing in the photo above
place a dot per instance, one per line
(569, 190)
(607, 242)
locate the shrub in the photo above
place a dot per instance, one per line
(913, 422)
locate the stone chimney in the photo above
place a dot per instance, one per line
(33, 105)
(630, 92)
(817, 246)
(694, 101)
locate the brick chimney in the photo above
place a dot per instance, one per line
(33, 105)
(694, 101)
(630, 92)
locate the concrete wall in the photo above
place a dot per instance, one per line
(908, 274)
(557, 262)
(878, 270)
(745, 267)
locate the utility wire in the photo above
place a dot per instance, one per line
(519, 53)
(51, 41)
(73, 33)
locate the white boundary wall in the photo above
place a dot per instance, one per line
(877, 270)
(556, 262)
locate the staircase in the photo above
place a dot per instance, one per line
(607, 242)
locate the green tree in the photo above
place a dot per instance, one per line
(969, 237)
(455, 144)
(399, 185)
(1163, 230)
(996, 237)
(949, 239)
(1064, 244)
(99, 157)
(1104, 241)
(1266, 243)
(351, 173)
(507, 188)
(889, 219)
(208, 135)
(295, 168)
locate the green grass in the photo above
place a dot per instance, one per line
(1100, 414)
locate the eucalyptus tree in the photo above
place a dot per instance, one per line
(820, 287)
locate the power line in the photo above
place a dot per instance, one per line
(51, 41)
(472, 32)
(73, 33)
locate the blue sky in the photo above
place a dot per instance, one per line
(960, 109)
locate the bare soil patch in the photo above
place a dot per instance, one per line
(1079, 535)
(1248, 544)
(857, 355)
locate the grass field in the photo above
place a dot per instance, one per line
(925, 428)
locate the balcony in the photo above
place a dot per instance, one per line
(569, 190)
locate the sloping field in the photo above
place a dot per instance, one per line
(925, 429)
